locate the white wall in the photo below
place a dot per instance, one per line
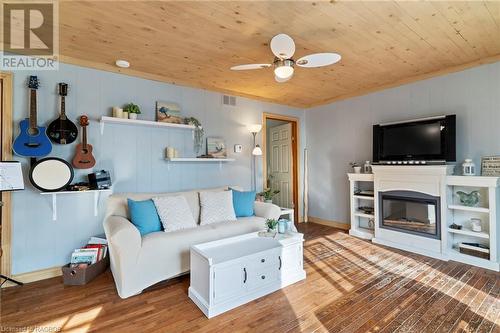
(341, 132)
(134, 155)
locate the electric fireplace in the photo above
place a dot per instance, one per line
(410, 212)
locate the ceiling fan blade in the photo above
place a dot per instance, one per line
(283, 46)
(249, 66)
(318, 60)
(280, 80)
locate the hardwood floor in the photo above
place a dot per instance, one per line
(351, 286)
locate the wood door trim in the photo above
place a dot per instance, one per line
(295, 155)
(6, 155)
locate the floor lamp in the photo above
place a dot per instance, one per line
(256, 151)
(11, 179)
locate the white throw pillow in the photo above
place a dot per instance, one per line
(216, 207)
(174, 213)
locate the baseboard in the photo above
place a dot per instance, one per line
(36, 275)
(330, 223)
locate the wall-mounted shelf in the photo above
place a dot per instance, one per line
(469, 209)
(198, 160)
(137, 122)
(55, 194)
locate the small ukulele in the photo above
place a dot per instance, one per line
(62, 130)
(32, 140)
(83, 157)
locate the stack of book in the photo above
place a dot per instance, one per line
(95, 250)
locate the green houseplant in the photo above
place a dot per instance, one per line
(271, 225)
(133, 110)
(268, 194)
(198, 133)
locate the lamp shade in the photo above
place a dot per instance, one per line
(257, 151)
(254, 128)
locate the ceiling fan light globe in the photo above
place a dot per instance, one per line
(283, 72)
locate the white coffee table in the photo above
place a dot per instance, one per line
(233, 271)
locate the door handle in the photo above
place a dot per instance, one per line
(245, 272)
(279, 257)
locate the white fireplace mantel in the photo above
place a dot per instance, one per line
(429, 180)
(436, 181)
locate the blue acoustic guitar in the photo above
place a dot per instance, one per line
(33, 140)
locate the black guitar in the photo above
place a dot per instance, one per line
(62, 130)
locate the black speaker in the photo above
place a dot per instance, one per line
(100, 180)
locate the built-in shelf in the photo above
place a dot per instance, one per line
(361, 232)
(455, 255)
(469, 209)
(364, 197)
(361, 214)
(138, 122)
(56, 194)
(472, 181)
(200, 160)
(468, 232)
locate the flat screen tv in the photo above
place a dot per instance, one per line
(429, 139)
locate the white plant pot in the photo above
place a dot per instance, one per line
(132, 116)
(269, 201)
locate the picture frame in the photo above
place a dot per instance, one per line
(168, 112)
(216, 147)
(490, 166)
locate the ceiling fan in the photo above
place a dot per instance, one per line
(283, 47)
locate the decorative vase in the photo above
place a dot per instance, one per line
(476, 224)
(367, 168)
(468, 168)
(132, 116)
(125, 115)
(469, 199)
(281, 226)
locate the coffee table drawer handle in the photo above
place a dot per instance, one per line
(245, 271)
(262, 260)
(263, 277)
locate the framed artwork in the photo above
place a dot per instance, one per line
(216, 147)
(168, 112)
(490, 166)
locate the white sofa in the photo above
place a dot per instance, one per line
(139, 262)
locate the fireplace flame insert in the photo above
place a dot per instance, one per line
(410, 212)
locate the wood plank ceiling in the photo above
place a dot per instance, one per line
(195, 43)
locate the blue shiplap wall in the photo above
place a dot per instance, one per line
(134, 155)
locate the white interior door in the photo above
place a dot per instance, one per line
(280, 164)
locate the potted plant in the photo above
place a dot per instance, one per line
(268, 194)
(132, 110)
(198, 133)
(271, 225)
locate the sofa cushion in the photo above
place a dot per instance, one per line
(174, 213)
(243, 203)
(144, 216)
(216, 207)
